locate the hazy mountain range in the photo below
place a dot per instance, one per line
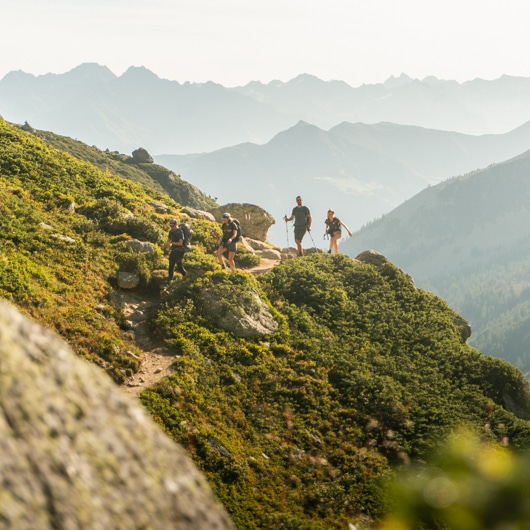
(362, 171)
(468, 240)
(138, 109)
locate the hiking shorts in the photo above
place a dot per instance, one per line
(299, 232)
(231, 247)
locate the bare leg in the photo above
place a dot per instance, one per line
(231, 261)
(220, 251)
(300, 249)
(335, 242)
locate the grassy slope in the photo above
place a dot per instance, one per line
(295, 430)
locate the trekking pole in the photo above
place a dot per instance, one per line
(286, 229)
(311, 236)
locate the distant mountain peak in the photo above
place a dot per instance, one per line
(393, 82)
(90, 72)
(139, 73)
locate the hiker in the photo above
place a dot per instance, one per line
(175, 239)
(334, 231)
(228, 242)
(302, 223)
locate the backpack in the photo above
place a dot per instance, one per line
(238, 228)
(333, 227)
(187, 234)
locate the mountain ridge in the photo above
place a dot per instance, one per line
(224, 116)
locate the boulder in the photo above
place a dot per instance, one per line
(141, 155)
(259, 245)
(143, 247)
(78, 452)
(269, 253)
(463, 326)
(127, 280)
(255, 221)
(197, 214)
(160, 207)
(250, 318)
(372, 257)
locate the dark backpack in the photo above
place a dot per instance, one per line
(238, 228)
(187, 234)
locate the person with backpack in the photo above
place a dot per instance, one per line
(334, 231)
(175, 239)
(231, 233)
(302, 223)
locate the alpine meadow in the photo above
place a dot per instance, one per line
(361, 405)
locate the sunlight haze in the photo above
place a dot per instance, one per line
(238, 41)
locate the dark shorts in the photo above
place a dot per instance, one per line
(299, 232)
(177, 253)
(231, 247)
(336, 233)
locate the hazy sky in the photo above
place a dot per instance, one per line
(233, 42)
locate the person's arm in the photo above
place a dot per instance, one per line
(287, 219)
(309, 221)
(348, 230)
(166, 244)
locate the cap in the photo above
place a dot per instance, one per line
(173, 222)
(226, 215)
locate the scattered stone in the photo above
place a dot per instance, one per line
(127, 280)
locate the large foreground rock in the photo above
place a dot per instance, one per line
(78, 453)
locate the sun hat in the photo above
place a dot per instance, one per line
(226, 215)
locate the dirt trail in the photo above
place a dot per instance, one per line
(156, 358)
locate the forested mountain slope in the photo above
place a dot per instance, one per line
(468, 240)
(294, 428)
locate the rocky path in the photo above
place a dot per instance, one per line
(156, 359)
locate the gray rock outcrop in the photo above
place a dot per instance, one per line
(141, 155)
(77, 452)
(255, 221)
(250, 318)
(144, 247)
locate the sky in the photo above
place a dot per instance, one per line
(233, 42)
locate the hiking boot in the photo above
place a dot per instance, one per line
(329, 251)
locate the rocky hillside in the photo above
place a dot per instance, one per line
(297, 392)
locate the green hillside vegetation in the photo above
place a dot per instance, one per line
(298, 429)
(56, 263)
(152, 175)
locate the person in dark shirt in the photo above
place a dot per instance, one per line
(228, 242)
(334, 231)
(175, 239)
(302, 223)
